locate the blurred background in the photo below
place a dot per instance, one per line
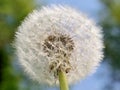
(105, 12)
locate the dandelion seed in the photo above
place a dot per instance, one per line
(58, 38)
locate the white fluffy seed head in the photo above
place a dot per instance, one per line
(58, 38)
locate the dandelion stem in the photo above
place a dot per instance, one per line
(63, 81)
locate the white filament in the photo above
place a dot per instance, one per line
(87, 38)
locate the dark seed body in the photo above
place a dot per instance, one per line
(60, 47)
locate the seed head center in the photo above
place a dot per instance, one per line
(59, 48)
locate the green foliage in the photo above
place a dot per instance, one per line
(110, 21)
(12, 13)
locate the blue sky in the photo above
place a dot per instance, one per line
(90, 7)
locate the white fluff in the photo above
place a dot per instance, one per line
(40, 24)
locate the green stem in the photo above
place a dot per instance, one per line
(63, 81)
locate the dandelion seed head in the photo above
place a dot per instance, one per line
(58, 38)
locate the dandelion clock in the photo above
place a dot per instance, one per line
(58, 45)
